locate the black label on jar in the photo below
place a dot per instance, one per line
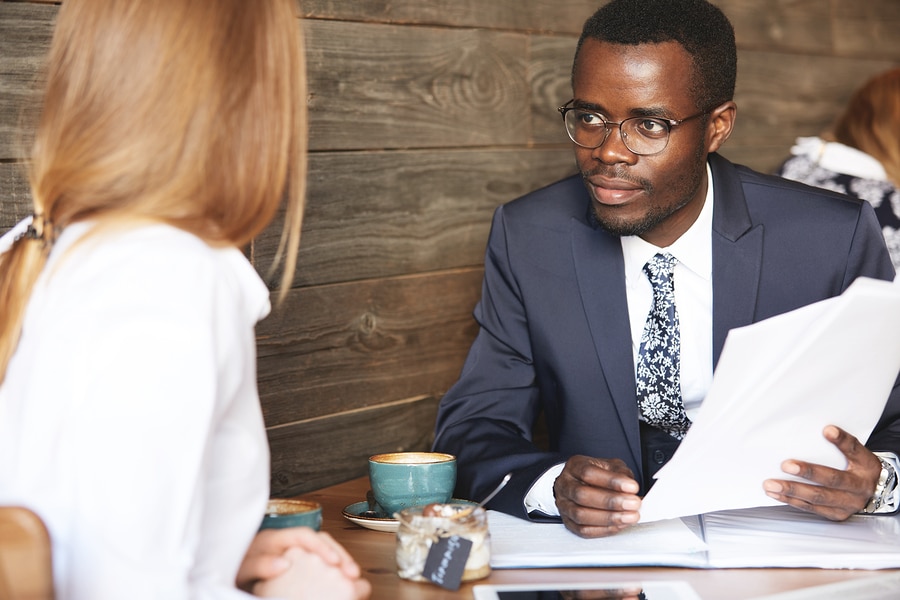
(446, 561)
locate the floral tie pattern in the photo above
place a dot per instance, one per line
(659, 359)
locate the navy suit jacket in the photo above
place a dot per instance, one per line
(554, 336)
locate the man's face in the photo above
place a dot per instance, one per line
(660, 196)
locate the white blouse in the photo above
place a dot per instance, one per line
(130, 418)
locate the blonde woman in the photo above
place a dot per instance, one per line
(860, 154)
(129, 413)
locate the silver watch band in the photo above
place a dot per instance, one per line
(884, 499)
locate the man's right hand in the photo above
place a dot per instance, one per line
(597, 497)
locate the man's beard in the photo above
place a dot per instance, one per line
(624, 227)
(606, 216)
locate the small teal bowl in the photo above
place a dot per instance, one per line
(405, 479)
(282, 513)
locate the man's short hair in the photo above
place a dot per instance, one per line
(701, 29)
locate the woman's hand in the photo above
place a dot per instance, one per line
(278, 560)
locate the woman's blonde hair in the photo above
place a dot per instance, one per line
(871, 122)
(185, 112)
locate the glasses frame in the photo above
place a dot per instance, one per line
(608, 125)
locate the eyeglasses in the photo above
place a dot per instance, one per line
(641, 135)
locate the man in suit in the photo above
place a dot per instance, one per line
(566, 295)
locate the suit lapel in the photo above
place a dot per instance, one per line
(600, 273)
(736, 255)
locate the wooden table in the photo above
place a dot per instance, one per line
(374, 551)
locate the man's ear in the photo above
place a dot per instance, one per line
(721, 124)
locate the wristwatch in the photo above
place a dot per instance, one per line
(884, 489)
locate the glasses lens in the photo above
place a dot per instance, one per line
(645, 135)
(586, 128)
(641, 135)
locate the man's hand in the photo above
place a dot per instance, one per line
(597, 497)
(839, 494)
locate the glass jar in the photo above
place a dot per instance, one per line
(417, 532)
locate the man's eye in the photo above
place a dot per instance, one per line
(588, 118)
(652, 127)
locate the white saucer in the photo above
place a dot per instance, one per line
(354, 511)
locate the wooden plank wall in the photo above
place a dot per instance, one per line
(425, 115)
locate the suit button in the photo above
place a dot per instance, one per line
(659, 457)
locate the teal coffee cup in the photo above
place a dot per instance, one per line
(283, 512)
(405, 479)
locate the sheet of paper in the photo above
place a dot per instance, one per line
(778, 383)
(782, 536)
(772, 536)
(516, 543)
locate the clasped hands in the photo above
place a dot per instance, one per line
(300, 564)
(598, 497)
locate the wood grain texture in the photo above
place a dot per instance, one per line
(330, 349)
(414, 87)
(311, 454)
(847, 28)
(768, 122)
(867, 28)
(794, 26)
(561, 16)
(25, 32)
(15, 197)
(550, 77)
(380, 214)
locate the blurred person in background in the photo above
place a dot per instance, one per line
(860, 154)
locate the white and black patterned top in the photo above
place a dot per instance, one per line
(842, 169)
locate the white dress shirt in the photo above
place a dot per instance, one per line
(130, 419)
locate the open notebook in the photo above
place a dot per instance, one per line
(774, 536)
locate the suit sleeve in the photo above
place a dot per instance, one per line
(486, 418)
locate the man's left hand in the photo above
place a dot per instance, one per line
(833, 493)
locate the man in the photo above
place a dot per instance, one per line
(566, 295)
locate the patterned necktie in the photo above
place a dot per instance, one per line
(659, 359)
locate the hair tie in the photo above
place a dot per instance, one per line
(41, 229)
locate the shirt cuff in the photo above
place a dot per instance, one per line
(891, 500)
(540, 495)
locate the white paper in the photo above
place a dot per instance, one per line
(778, 383)
(773, 536)
(782, 536)
(516, 543)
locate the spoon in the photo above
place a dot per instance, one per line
(469, 511)
(371, 513)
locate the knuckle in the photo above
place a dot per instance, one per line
(818, 498)
(613, 502)
(576, 495)
(832, 479)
